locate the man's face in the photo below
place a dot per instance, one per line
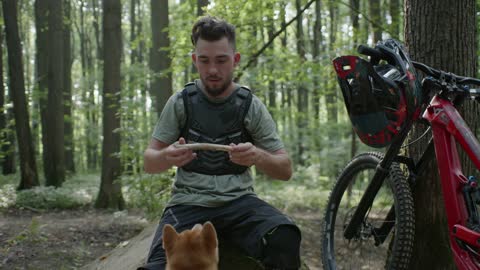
(215, 62)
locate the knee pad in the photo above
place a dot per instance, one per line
(281, 248)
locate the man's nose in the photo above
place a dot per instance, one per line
(212, 69)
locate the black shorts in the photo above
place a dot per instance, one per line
(243, 222)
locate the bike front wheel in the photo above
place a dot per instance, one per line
(384, 239)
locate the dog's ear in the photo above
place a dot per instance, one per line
(209, 235)
(169, 236)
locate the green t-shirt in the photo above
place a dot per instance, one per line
(214, 190)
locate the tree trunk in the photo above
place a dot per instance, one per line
(54, 143)
(110, 194)
(331, 93)
(67, 89)
(317, 49)
(395, 14)
(272, 91)
(8, 164)
(302, 101)
(201, 4)
(442, 34)
(41, 61)
(375, 17)
(161, 86)
(28, 167)
(355, 17)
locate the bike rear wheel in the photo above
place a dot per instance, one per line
(361, 252)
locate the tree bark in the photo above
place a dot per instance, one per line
(8, 146)
(201, 4)
(54, 143)
(302, 101)
(375, 16)
(160, 61)
(394, 9)
(28, 167)
(67, 89)
(442, 34)
(110, 194)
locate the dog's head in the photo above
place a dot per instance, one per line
(192, 249)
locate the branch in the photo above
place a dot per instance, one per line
(275, 35)
(204, 146)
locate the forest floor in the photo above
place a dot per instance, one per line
(69, 239)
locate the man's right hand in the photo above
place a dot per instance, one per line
(177, 156)
(161, 156)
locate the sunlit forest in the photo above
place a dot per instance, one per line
(82, 83)
(286, 49)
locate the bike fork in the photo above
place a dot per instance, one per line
(381, 172)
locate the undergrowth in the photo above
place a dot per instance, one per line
(150, 193)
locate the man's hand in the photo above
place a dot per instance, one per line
(275, 164)
(245, 154)
(161, 156)
(177, 156)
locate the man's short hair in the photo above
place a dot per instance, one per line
(211, 28)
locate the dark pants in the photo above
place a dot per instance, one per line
(257, 228)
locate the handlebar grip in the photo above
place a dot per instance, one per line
(374, 53)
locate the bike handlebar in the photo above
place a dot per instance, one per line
(376, 55)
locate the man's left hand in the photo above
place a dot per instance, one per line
(245, 154)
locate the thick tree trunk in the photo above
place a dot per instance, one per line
(110, 194)
(28, 167)
(442, 34)
(54, 145)
(41, 61)
(161, 86)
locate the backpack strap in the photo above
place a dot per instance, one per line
(189, 90)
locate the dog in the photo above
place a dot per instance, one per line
(195, 249)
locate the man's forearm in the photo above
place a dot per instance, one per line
(277, 165)
(155, 162)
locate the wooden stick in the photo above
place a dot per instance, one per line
(204, 146)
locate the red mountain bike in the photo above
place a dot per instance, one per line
(369, 218)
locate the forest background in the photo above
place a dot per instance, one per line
(96, 75)
(82, 83)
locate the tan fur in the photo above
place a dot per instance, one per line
(195, 249)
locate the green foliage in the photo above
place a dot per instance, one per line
(8, 195)
(306, 189)
(51, 198)
(148, 192)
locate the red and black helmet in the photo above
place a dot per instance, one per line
(379, 96)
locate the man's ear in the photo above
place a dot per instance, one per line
(209, 235)
(236, 58)
(194, 58)
(169, 236)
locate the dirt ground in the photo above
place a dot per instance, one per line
(70, 239)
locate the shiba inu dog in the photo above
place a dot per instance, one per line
(195, 249)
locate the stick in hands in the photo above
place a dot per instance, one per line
(179, 156)
(244, 154)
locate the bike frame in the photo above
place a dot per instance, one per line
(449, 127)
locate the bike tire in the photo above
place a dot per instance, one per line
(361, 252)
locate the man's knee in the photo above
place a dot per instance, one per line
(281, 248)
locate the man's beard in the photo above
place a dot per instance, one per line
(215, 92)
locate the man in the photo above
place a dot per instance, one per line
(217, 186)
